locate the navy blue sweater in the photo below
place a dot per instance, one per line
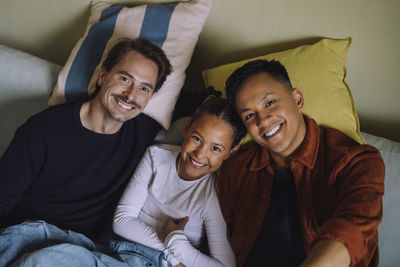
(57, 170)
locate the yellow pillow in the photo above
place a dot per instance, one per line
(319, 70)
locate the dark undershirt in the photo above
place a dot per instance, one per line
(279, 242)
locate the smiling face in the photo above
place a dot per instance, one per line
(272, 114)
(126, 88)
(207, 144)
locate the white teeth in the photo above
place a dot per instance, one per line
(273, 130)
(124, 106)
(197, 164)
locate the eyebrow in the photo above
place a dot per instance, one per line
(133, 78)
(260, 100)
(263, 97)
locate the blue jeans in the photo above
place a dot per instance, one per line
(37, 243)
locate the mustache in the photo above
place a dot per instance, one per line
(127, 101)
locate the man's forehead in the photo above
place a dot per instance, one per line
(261, 80)
(135, 64)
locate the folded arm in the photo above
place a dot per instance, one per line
(221, 253)
(126, 218)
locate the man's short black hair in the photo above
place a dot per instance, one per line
(274, 68)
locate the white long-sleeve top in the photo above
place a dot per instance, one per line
(156, 192)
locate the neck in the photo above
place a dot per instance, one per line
(282, 160)
(95, 121)
(279, 163)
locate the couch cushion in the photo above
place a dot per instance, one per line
(25, 84)
(389, 229)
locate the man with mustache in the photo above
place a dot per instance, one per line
(69, 164)
(300, 194)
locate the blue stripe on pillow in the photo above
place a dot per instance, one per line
(89, 54)
(154, 28)
(156, 23)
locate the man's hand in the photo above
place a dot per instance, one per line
(172, 224)
(327, 253)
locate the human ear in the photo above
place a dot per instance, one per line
(102, 74)
(298, 97)
(186, 127)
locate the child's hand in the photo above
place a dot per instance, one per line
(172, 224)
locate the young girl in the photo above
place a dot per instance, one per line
(171, 200)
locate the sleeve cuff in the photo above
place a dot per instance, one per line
(168, 241)
(174, 235)
(346, 233)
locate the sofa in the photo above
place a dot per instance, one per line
(26, 81)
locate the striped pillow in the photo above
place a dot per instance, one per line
(173, 27)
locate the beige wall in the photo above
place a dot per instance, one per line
(237, 29)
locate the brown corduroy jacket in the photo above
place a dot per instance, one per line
(339, 184)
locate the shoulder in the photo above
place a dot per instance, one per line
(143, 128)
(52, 116)
(342, 152)
(340, 144)
(164, 149)
(247, 161)
(162, 153)
(59, 109)
(58, 113)
(330, 147)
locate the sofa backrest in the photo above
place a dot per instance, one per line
(25, 84)
(389, 229)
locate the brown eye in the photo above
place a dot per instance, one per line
(145, 89)
(248, 116)
(196, 139)
(269, 103)
(125, 79)
(216, 149)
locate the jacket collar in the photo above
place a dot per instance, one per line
(306, 154)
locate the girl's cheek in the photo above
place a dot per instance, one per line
(219, 161)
